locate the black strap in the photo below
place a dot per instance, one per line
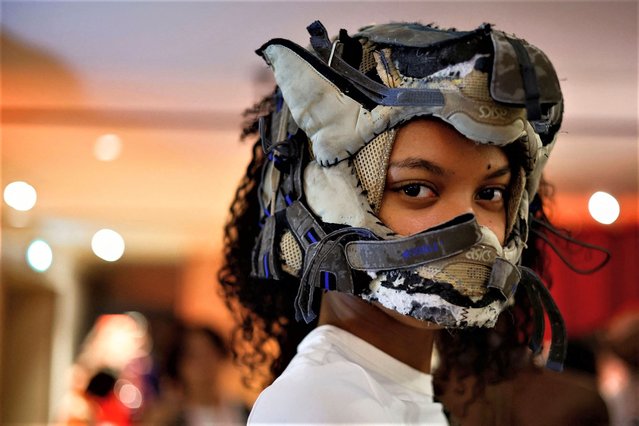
(324, 267)
(307, 232)
(445, 241)
(539, 321)
(266, 252)
(378, 92)
(529, 79)
(504, 277)
(319, 36)
(325, 264)
(557, 353)
(358, 86)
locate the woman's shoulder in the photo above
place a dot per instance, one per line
(325, 384)
(318, 394)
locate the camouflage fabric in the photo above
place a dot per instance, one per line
(506, 84)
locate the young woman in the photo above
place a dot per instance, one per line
(386, 210)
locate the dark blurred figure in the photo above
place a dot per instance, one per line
(619, 369)
(534, 396)
(190, 390)
(108, 408)
(98, 404)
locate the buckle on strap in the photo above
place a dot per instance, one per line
(504, 276)
(303, 225)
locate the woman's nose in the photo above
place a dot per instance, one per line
(459, 205)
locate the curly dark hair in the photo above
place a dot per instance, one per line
(267, 333)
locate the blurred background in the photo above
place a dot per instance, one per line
(120, 154)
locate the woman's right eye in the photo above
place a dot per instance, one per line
(417, 190)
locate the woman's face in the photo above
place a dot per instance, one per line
(436, 174)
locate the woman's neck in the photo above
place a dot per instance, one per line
(405, 339)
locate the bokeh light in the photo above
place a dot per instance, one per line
(20, 195)
(108, 245)
(107, 147)
(603, 207)
(128, 394)
(39, 255)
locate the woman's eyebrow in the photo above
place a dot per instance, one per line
(500, 172)
(418, 163)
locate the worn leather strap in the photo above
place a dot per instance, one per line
(557, 353)
(447, 240)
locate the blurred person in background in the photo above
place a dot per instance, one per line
(619, 368)
(100, 404)
(191, 392)
(108, 379)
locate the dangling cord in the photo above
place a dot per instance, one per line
(571, 240)
(536, 340)
(557, 353)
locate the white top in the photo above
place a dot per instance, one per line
(338, 378)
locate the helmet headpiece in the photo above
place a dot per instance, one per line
(328, 142)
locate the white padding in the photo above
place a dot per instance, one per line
(327, 116)
(332, 194)
(486, 133)
(452, 316)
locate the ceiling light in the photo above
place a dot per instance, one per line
(108, 245)
(39, 256)
(107, 147)
(603, 207)
(20, 195)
